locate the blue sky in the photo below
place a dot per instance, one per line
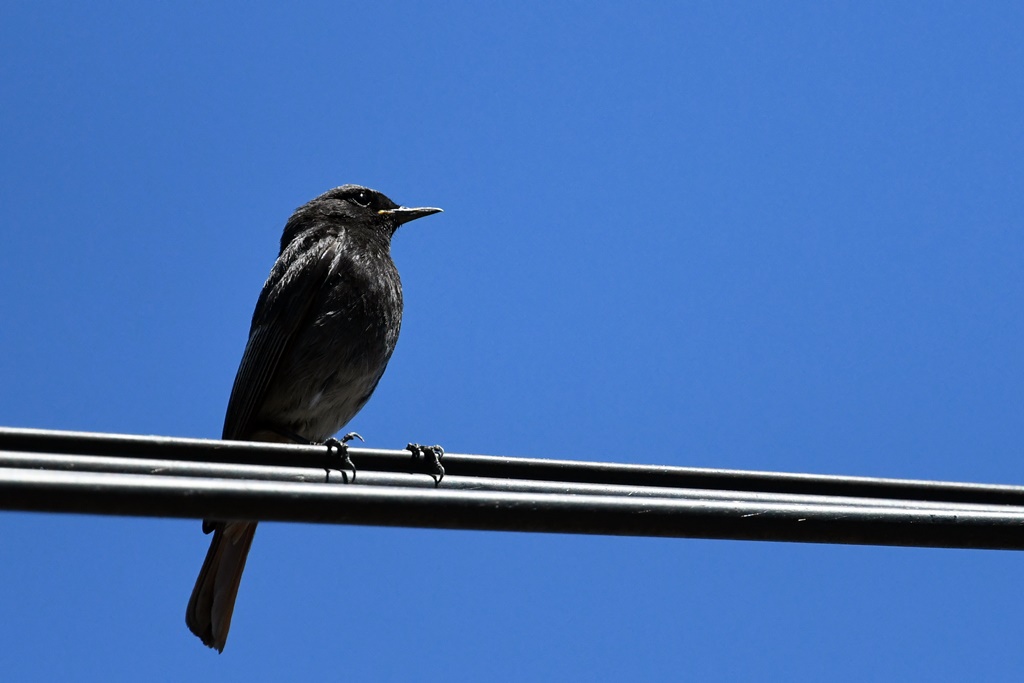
(775, 236)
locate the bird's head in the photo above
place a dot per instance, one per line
(355, 208)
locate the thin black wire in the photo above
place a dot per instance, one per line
(144, 495)
(161, 476)
(177, 468)
(495, 467)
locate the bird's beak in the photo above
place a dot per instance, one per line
(404, 214)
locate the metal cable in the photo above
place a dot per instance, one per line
(162, 476)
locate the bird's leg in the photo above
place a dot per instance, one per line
(435, 453)
(342, 453)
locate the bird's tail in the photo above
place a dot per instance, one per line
(213, 598)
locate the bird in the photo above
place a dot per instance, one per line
(322, 333)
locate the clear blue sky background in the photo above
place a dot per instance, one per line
(777, 236)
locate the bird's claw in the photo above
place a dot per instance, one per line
(341, 447)
(434, 453)
(352, 435)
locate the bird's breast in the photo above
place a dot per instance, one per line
(336, 359)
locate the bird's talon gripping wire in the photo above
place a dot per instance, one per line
(342, 456)
(434, 453)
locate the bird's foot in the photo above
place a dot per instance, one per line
(339, 449)
(431, 453)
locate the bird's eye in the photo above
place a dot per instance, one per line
(362, 198)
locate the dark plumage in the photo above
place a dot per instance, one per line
(322, 333)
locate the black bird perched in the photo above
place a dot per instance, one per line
(322, 333)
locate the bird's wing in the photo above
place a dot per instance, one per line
(283, 308)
